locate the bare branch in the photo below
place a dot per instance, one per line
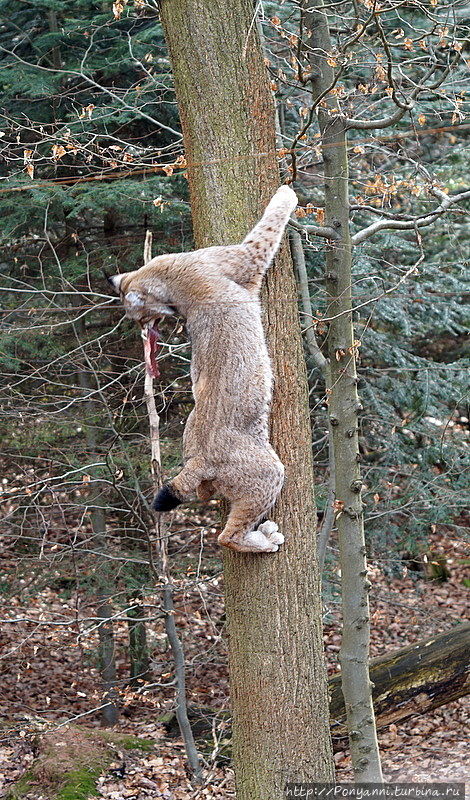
(383, 122)
(316, 230)
(402, 106)
(299, 263)
(408, 225)
(83, 76)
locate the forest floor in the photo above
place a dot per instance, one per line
(51, 686)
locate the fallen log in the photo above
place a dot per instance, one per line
(412, 680)
(407, 682)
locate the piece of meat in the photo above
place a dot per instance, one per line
(151, 348)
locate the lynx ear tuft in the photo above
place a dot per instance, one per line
(114, 280)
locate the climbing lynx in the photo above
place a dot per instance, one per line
(225, 442)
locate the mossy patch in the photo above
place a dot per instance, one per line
(71, 760)
(21, 787)
(133, 743)
(81, 784)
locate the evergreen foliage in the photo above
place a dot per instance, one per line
(412, 327)
(89, 141)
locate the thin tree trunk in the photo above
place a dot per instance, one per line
(106, 651)
(344, 407)
(138, 646)
(107, 659)
(323, 364)
(104, 612)
(278, 686)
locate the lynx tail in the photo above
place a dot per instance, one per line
(166, 500)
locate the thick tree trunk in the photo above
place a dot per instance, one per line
(412, 680)
(344, 407)
(278, 685)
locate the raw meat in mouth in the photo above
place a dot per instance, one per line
(151, 338)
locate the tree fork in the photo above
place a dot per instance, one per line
(278, 685)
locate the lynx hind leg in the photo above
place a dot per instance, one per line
(254, 500)
(239, 535)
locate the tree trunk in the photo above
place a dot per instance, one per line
(344, 407)
(277, 678)
(412, 680)
(107, 659)
(106, 650)
(138, 647)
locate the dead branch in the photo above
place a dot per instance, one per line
(163, 571)
(408, 225)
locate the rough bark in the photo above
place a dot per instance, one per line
(412, 680)
(278, 685)
(344, 407)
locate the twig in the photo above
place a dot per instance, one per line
(316, 230)
(163, 572)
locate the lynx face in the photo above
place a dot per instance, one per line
(143, 303)
(145, 306)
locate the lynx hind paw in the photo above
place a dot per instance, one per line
(266, 538)
(271, 531)
(256, 542)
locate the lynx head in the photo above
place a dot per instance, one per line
(144, 300)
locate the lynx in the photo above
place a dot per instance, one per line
(225, 442)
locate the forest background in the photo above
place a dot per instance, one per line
(92, 159)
